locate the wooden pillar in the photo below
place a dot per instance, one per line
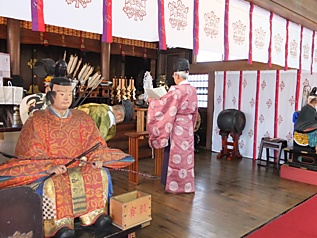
(161, 63)
(13, 44)
(194, 59)
(123, 69)
(105, 60)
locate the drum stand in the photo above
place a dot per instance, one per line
(233, 152)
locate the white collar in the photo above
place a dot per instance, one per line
(184, 82)
(66, 115)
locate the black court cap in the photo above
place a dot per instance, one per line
(181, 64)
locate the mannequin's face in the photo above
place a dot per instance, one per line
(63, 98)
(119, 116)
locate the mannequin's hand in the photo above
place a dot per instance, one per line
(57, 169)
(97, 164)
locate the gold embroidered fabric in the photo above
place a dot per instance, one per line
(91, 217)
(301, 138)
(52, 225)
(77, 190)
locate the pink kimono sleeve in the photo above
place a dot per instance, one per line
(161, 117)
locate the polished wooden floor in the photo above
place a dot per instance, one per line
(232, 198)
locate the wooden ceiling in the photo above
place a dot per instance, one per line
(302, 12)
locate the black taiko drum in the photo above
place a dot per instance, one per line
(231, 120)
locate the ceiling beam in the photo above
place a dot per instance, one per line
(232, 65)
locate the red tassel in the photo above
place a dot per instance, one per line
(45, 40)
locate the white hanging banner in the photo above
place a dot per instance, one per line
(232, 90)
(79, 15)
(238, 28)
(278, 40)
(266, 106)
(260, 34)
(135, 19)
(293, 45)
(286, 105)
(218, 107)
(306, 49)
(314, 59)
(179, 20)
(16, 9)
(211, 25)
(246, 141)
(307, 82)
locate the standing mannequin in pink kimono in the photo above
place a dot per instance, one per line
(172, 118)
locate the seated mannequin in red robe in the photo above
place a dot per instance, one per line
(49, 140)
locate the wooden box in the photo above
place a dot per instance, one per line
(130, 209)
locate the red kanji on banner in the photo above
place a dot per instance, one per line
(83, 3)
(135, 9)
(178, 14)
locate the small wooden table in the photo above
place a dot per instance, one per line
(275, 144)
(134, 152)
